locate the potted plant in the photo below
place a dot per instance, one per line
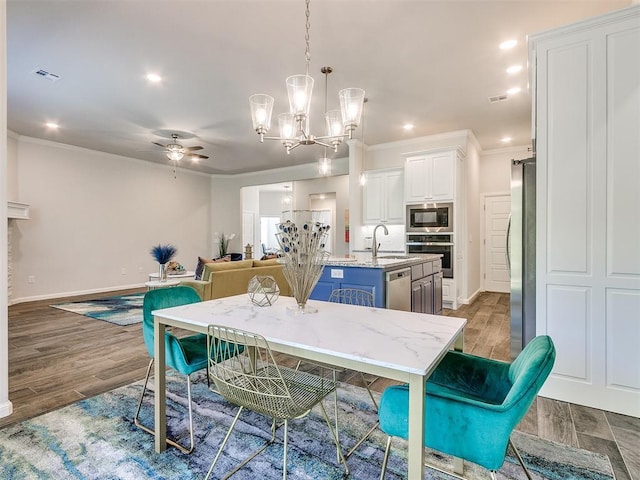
(163, 254)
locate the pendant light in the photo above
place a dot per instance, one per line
(294, 125)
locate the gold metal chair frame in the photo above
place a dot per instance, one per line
(172, 442)
(250, 378)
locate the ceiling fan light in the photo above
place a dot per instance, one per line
(261, 109)
(351, 102)
(175, 155)
(299, 89)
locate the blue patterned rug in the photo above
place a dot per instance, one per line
(121, 310)
(96, 439)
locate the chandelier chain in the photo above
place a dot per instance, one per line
(307, 52)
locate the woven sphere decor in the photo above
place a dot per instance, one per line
(263, 290)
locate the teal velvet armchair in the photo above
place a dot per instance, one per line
(473, 403)
(185, 355)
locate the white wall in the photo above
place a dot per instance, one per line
(12, 167)
(226, 212)
(338, 184)
(95, 214)
(495, 171)
(472, 247)
(5, 404)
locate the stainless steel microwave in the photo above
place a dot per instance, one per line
(430, 218)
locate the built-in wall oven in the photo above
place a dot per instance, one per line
(441, 244)
(430, 218)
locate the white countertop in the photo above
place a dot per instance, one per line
(388, 262)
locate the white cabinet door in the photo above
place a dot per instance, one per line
(430, 177)
(416, 187)
(443, 176)
(382, 198)
(372, 199)
(394, 183)
(587, 234)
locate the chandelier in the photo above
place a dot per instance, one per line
(294, 125)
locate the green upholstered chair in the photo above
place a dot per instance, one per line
(473, 404)
(185, 355)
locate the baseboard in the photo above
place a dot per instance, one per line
(472, 298)
(34, 298)
(6, 409)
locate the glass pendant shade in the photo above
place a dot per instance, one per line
(334, 123)
(351, 103)
(299, 89)
(175, 155)
(324, 166)
(261, 109)
(286, 122)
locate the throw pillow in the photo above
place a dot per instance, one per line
(202, 261)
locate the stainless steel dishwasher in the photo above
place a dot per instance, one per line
(399, 289)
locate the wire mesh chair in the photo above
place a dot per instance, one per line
(249, 377)
(350, 296)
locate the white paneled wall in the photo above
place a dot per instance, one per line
(588, 208)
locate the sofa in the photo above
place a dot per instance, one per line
(232, 278)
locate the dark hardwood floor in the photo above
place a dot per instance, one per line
(57, 358)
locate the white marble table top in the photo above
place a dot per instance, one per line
(403, 341)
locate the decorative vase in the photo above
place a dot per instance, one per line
(302, 239)
(162, 272)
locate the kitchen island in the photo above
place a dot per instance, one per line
(379, 277)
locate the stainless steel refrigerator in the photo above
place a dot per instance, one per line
(521, 253)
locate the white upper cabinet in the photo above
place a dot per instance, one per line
(382, 197)
(430, 177)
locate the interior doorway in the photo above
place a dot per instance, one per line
(496, 221)
(325, 203)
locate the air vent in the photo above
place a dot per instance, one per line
(498, 98)
(52, 77)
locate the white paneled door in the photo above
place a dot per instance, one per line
(496, 221)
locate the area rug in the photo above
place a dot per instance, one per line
(121, 310)
(96, 439)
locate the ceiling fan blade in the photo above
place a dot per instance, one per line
(159, 144)
(196, 155)
(191, 149)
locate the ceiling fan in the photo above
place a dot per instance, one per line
(176, 152)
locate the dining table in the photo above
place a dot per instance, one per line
(398, 345)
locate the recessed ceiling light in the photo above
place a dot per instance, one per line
(514, 90)
(507, 44)
(514, 69)
(154, 78)
(506, 139)
(52, 125)
(408, 126)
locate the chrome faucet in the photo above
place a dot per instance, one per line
(374, 247)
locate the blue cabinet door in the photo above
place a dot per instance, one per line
(368, 279)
